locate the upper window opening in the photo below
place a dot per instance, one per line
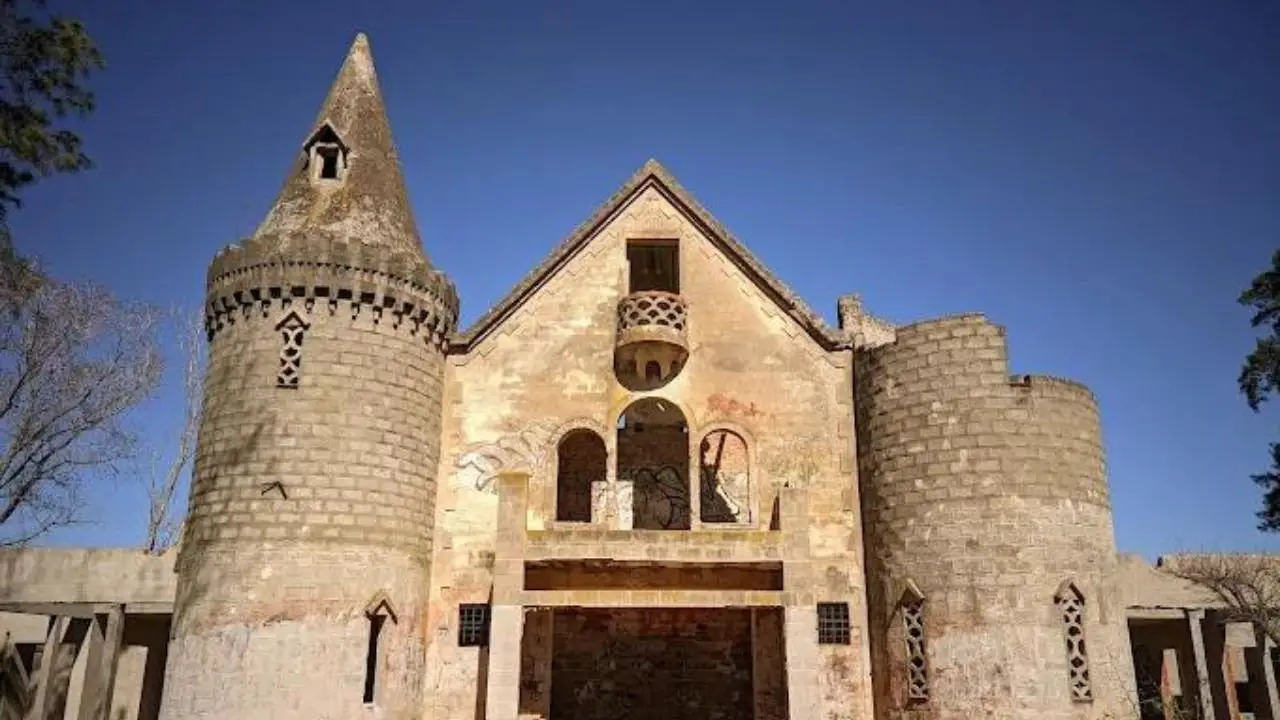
(654, 265)
(326, 154)
(328, 161)
(581, 462)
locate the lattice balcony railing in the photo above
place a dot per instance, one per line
(652, 308)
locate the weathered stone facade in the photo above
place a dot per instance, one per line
(650, 483)
(313, 495)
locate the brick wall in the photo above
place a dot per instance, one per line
(305, 503)
(652, 664)
(986, 493)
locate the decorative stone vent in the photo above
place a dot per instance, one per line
(1071, 604)
(917, 676)
(913, 633)
(292, 329)
(652, 344)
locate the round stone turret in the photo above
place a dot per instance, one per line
(989, 539)
(305, 564)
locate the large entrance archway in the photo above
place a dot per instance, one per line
(653, 459)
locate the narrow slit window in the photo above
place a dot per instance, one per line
(1071, 604)
(371, 657)
(654, 265)
(833, 624)
(473, 625)
(913, 632)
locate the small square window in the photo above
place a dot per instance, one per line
(473, 625)
(833, 624)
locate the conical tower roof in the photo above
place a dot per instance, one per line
(343, 209)
(367, 201)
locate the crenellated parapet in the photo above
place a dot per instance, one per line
(310, 527)
(984, 492)
(860, 328)
(251, 278)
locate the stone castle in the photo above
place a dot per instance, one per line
(650, 483)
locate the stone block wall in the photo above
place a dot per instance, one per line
(547, 369)
(308, 501)
(984, 499)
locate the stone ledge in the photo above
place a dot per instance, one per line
(654, 545)
(654, 598)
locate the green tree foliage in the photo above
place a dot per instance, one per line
(45, 61)
(1260, 377)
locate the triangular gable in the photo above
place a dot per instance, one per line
(653, 174)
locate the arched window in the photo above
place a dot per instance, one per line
(581, 459)
(377, 611)
(653, 457)
(912, 605)
(1070, 603)
(725, 490)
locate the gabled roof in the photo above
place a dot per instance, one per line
(654, 175)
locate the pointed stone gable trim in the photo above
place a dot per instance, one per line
(653, 174)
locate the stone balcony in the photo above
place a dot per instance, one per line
(652, 342)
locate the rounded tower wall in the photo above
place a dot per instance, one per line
(305, 566)
(310, 501)
(982, 495)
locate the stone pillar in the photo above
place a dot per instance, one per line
(1265, 647)
(768, 664)
(112, 640)
(91, 686)
(46, 674)
(624, 505)
(694, 476)
(1204, 692)
(801, 629)
(506, 626)
(506, 620)
(601, 507)
(800, 616)
(102, 659)
(535, 664)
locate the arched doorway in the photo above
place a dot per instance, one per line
(581, 459)
(653, 457)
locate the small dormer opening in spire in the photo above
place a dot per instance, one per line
(326, 154)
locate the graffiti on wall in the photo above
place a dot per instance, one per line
(725, 478)
(479, 464)
(660, 499)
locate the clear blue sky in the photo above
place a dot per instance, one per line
(1099, 177)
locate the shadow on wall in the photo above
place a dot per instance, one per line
(194, 587)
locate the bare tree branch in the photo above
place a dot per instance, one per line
(162, 517)
(1248, 585)
(73, 361)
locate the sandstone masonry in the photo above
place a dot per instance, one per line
(650, 483)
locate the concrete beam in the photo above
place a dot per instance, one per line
(85, 610)
(1204, 691)
(1155, 613)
